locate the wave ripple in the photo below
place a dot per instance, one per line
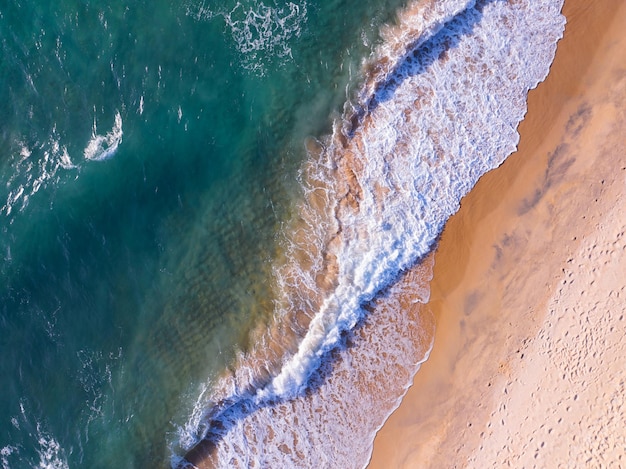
(439, 107)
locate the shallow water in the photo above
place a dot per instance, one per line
(438, 106)
(149, 157)
(157, 204)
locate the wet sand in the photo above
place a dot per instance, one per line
(529, 289)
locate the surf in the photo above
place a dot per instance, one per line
(103, 147)
(439, 106)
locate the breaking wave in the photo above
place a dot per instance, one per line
(439, 106)
(103, 147)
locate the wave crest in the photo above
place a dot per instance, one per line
(259, 30)
(103, 147)
(440, 110)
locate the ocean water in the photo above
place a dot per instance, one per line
(215, 217)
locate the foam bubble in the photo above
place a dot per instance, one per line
(354, 391)
(103, 147)
(51, 454)
(35, 167)
(435, 112)
(446, 115)
(187, 434)
(94, 375)
(5, 453)
(259, 30)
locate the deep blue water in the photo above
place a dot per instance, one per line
(149, 152)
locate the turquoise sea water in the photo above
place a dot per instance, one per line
(149, 153)
(185, 275)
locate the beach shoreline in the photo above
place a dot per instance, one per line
(521, 234)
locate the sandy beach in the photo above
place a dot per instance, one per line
(529, 288)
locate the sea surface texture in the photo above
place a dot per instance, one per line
(215, 217)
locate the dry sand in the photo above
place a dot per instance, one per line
(529, 363)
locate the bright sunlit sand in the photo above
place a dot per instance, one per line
(529, 288)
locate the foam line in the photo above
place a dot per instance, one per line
(387, 234)
(445, 112)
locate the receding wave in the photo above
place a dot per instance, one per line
(439, 106)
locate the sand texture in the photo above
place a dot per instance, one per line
(529, 291)
(563, 403)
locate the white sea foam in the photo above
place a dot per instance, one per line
(35, 166)
(103, 147)
(259, 29)
(436, 124)
(418, 23)
(94, 376)
(428, 122)
(51, 454)
(187, 434)
(334, 425)
(5, 453)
